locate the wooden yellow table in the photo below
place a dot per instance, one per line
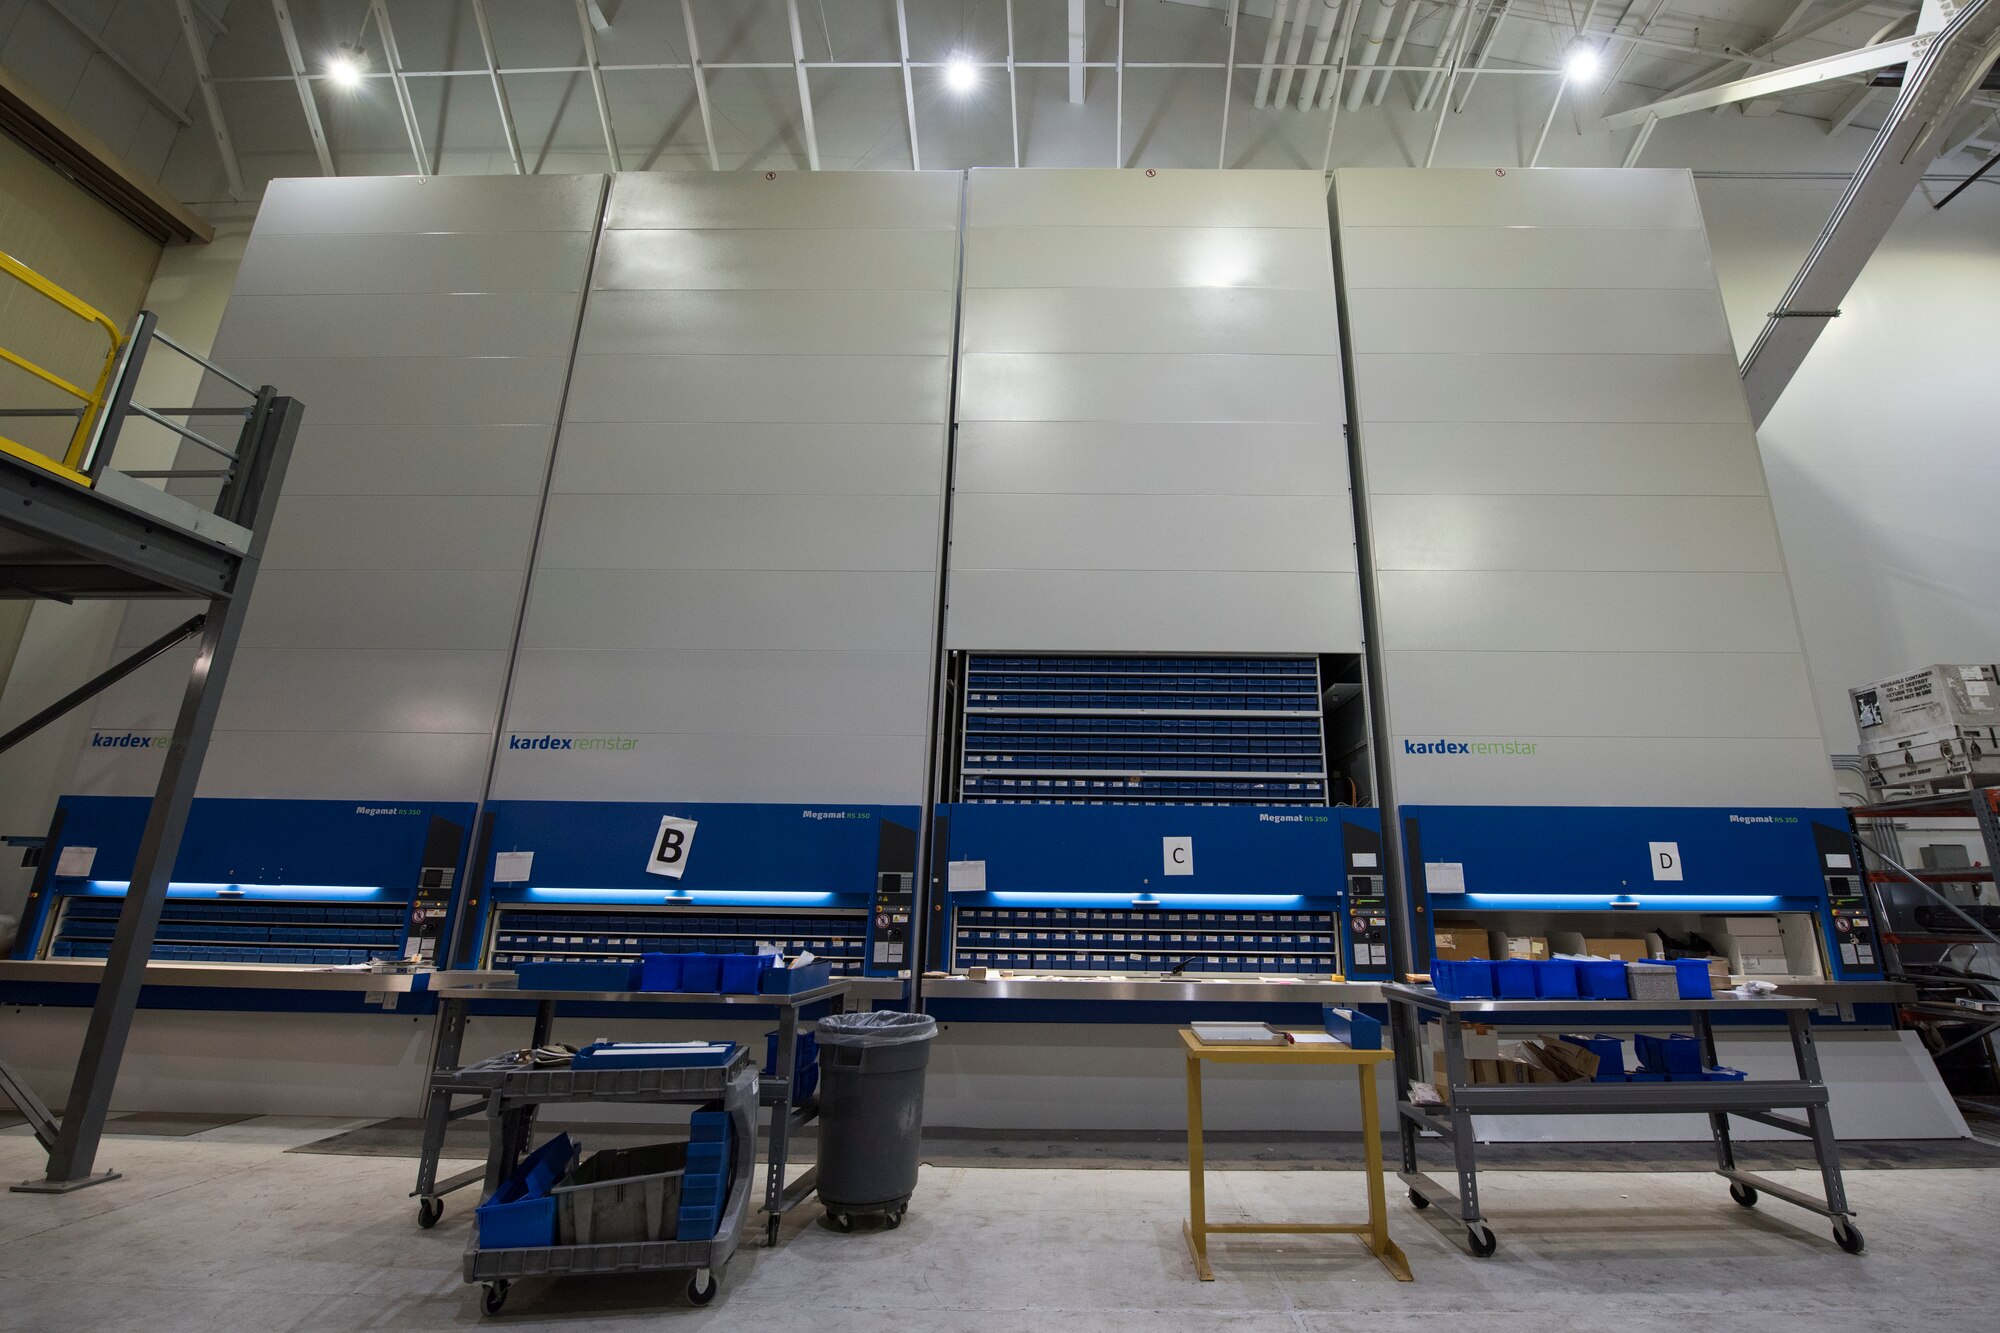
(1374, 1232)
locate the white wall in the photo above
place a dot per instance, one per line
(1882, 454)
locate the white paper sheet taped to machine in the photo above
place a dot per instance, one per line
(1444, 876)
(966, 877)
(76, 862)
(513, 867)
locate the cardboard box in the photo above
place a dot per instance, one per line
(1459, 943)
(1532, 947)
(1612, 946)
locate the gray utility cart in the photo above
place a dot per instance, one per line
(1757, 1100)
(512, 1096)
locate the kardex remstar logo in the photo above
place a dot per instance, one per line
(1469, 747)
(549, 742)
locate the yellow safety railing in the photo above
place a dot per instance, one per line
(71, 464)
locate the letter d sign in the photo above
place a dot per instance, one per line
(670, 847)
(1666, 859)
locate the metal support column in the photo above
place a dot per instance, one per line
(252, 494)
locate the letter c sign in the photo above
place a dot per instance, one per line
(1178, 854)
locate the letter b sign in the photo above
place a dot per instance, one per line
(670, 847)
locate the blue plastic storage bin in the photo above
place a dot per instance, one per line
(701, 972)
(660, 971)
(1463, 978)
(1555, 979)
(577, 976)
(1723, 1074)
(1610, 1053)
(522, 1213)
(1601, 980)
(1514, 979)
(792, 980)
(1692, 975)
(711, 1156)
(741, 973)
(708, 1127)
(698, 1223)
(1676, 1055)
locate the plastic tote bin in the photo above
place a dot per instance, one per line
(741, 972)
(871, 1109)
(577, 976)
(1676, 1055)
(792, 980)
(1555, 979)
(1463, 979)
(660, 971)
(1652, 981)
(1692, 976)
(1601, 979)
(1514, 979)
(621, 1194)
(701, 972)
(522, 1213)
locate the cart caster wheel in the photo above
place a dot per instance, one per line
(1743, 1194)
(841, 1222)
(1481, 1241)
(1848, 1237)
(1418, 1201)
(428, 1212)
(702, 1287)
(494, 1296)
(893, 1218)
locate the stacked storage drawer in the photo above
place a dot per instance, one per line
(207, 930)
(705, 1187)
(1059, 939)
(537, 935)
(1143, 730)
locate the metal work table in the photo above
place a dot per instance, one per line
(457, 992)
(225, 976)
(1374, 1232)
(1757, 1100)
(1176, 990)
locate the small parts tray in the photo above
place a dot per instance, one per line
(515, 1083)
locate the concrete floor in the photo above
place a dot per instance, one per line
(225, 1230)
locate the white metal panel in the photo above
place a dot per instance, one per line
(425, 324)
(1153, 611)
(1269, 320)
(1568, 611)
(750, 458)
(1502, 386)
(391, 205)
(1562, 458)
(412, 391)
(1542, 319)
(1140, 256)
(336, 765)
(766, 322)
(311, 264)
(1151, 458)
(1153, 532)
(362, 690)
(1621, 770)
(853, 770)
(383, 608)
(431, 532)
(1006, 386)
(1575, 532)
(1174, 198)
(793, 260)
(889, 389)
(1414, 258)
(793, 692)
(418, 460)
(1501, 694)
(824, 532)
(1586, 199)
(876, 200)
(719, 609)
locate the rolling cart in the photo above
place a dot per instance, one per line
(1757, 1100)
(512, 1095)
(457, 992)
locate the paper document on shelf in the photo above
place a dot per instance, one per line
(1315, 1039)
(1444, 876)
(965, 877)
(1237, 1034)
(513, 867)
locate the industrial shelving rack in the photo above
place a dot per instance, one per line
(73, 528)
(1934, 942)
(611, 934)
(1142, 730)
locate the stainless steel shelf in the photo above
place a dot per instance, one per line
(1429, 1000)
(228, 976)
(1177, 990)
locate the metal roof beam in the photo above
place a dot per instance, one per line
(1775, 81)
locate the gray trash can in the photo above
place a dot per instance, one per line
(871, 1112)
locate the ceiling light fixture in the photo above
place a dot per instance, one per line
(347, 66)
(1581, 67)
(960, 74)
